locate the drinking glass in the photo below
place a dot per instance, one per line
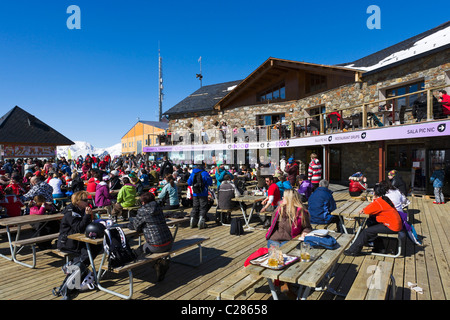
(305, 252)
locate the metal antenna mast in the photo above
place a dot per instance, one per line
(199, 75)
(160, 86)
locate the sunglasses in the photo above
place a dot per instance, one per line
(85, 200)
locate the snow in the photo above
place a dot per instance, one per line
(433, 41)
(83, 148)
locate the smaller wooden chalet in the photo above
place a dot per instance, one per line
(22, 135)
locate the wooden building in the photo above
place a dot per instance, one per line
(377, 98)
(142, 134)
(22, 135)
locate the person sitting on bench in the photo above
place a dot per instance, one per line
(384, 218)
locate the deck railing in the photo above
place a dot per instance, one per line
(373, 114)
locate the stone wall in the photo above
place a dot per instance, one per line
(432, 69)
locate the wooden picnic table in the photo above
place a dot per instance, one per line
(99, 241)
(18, 222)
(352, 209)
(254, 200)
(309, 275)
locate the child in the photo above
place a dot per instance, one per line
(39, 206)
(437, 178)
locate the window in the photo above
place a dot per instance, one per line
(274, 93)
(315, 82)
(405, 101)
(268, 119)
(401, 157)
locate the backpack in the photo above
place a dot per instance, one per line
(198, 185)
(327, 242)
(72, 285)
(236, 227)
(117, 247)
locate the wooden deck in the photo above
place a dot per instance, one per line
(426, 266)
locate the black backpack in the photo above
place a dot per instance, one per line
(117, 247)
(236, 227)
(198, 185)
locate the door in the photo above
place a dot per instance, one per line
(439, 158)
(335, 164)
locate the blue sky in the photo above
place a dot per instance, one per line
(92, 84)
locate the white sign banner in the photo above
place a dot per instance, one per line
(421, 130)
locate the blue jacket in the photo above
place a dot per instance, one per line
(220, 174)
(320, 205)
(283, 186)
(438, 178)
(207, 181)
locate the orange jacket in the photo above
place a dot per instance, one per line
(384, 214)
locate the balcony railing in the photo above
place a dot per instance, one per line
(374, 114)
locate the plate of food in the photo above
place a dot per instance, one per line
(274, 263)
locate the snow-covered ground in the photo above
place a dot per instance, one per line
(83, 148)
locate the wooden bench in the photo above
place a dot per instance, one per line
(176, 248)
(221, 212)
(400, 237)
(62, 254)
(129, 209)
(235, 285)
(372, 281)
(32, 242)
(14, 229)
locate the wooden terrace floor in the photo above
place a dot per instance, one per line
(426, 266)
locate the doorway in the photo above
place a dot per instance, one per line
(335, 164)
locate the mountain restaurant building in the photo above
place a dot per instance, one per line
(22, 135)
(143, 134)
(373, 115)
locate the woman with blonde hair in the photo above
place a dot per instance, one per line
(290, 220)
(77, 216)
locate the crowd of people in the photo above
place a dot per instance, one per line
(293, 200)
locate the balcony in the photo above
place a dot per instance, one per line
(380, 114)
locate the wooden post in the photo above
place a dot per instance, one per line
(326, 152)
(321, 124)
(381, 161)
(364, 116)
(429, 105)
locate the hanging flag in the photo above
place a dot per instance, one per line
(200, 59)
(69, 155)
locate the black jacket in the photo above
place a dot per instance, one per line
(398, 182)
(166, 168)
(74, 221)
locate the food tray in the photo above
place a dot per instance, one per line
(262, 261)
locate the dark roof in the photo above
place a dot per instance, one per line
(204, 99)
(376, 57)
(156, 124)
(19, 127)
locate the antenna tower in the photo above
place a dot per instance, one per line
(199, 75)
(160, 85)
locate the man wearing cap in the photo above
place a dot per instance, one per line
(199, 200)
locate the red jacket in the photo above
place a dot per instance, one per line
(91, 186)
(384, 214)
(446, 104)
(356, 186)
(12, 204)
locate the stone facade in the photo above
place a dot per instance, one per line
(433, 69)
